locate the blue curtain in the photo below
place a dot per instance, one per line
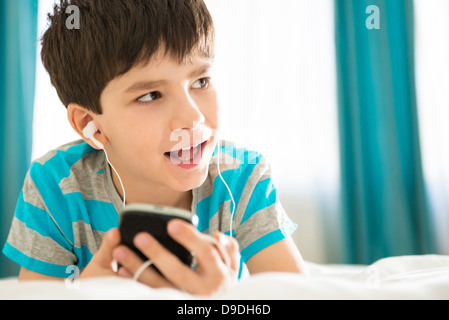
(18, 39)
(384, 207)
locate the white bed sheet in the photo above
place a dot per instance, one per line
(399, 278)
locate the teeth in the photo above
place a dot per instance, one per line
(196, 150)
(187, 149)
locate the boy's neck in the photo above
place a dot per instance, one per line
(158, 196)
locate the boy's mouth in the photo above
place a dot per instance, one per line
(187, 157)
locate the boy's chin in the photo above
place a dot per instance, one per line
(196, 180)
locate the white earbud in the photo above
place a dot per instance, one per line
(89, 132)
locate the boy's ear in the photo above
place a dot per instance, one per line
(79, 117)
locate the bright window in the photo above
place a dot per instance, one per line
(432, 74)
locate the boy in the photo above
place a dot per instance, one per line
(139, 71)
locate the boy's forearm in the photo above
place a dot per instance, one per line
(282, 256)
(28, 275)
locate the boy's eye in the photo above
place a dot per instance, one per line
(149, 97)
(202, 83)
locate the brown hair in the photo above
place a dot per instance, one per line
(116, 35)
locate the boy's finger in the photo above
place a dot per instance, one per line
(175, 271)
(132, 263)
(110, 241)
(194, 241)
(231, 248)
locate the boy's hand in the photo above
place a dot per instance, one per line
(101, 263)
(211, 274)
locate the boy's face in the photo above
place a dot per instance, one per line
(153, 112)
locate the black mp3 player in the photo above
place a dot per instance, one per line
(153, 219)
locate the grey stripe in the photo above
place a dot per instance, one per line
(85, 236)
(83, 178)
(200, 193)
(260, 171)
(86, 178)
(220, 221)
(261, 223)
(206, 189)
(258, 225)
(32, 244)
(32, 196)
(52, 153)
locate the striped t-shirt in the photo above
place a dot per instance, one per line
(69, 202)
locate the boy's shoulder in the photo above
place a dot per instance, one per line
(73, 167)
(74, 171)
(239, 159)
(68, 158)
(72, 149)
(76, 159)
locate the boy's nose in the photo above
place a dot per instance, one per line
(187, 116)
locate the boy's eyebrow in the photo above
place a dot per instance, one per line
(146, 85)
(200, 71)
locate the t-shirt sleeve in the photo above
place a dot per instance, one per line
(262, 219)
(35, 240)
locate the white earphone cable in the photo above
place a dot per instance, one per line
(229, 190)
(89, 131)
(120, 179)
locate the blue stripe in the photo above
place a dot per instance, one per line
(40, 221)
(83, 255)
(236, 179)
(208, 207)
(38, 266)
(66, 210)
(53, 198)
(61, 164)
(70, 208)
(102, 216)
